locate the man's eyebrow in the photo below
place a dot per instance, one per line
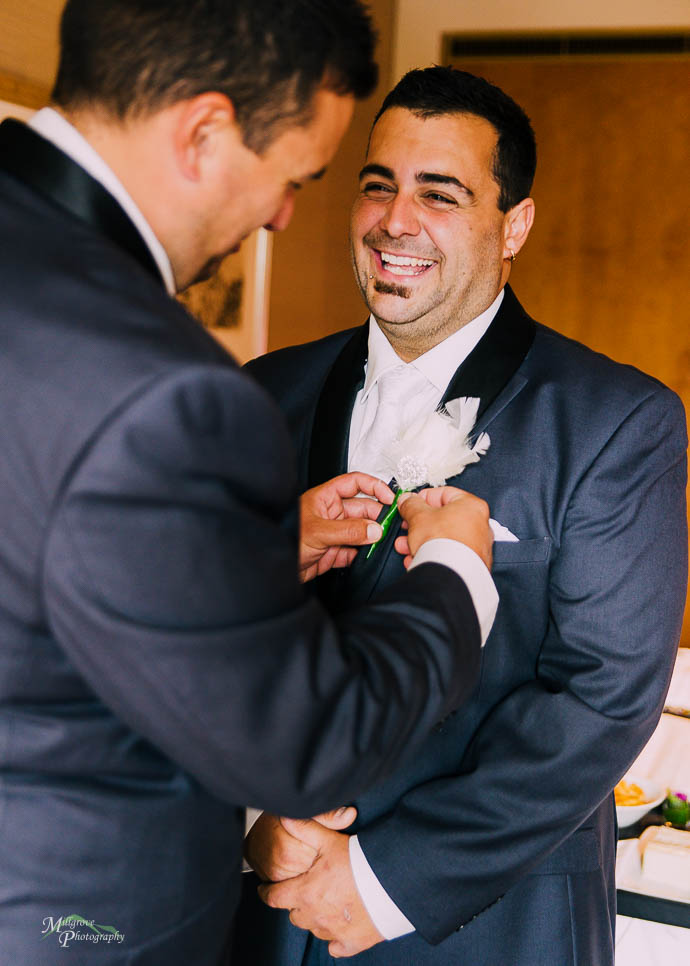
(316, 176)
(422, 177)
(378, 169)
(433, 177)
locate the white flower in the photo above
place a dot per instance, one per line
(436, 446)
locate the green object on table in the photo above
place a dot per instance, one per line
(386, 522)
(676, 809)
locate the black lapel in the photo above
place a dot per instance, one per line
(484, 374)
(497, 356)
(35, 161)
(330, 433)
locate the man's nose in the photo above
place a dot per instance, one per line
(281, 219)
(401, 217)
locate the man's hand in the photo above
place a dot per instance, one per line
(274, 854)
(445, 511)
(335, 521)
(325, 899)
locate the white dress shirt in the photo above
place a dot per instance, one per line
(53, 127)
(437, 366)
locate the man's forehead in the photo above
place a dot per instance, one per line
(451, 137)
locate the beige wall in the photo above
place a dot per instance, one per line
(28, 44)
(419, 25)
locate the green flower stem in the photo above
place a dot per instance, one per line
(386, 522)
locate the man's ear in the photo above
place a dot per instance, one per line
(201, 126)
(516, 227)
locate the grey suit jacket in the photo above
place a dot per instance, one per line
(497, 840)
(160, 663)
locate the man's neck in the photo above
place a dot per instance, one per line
(409, 343)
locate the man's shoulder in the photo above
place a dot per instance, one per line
(581, 370)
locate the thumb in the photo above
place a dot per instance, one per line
(350, 532)
(410, 505)
(308, 831)
(338, 818)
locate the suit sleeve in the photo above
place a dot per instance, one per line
(170, 581)
(549, 752)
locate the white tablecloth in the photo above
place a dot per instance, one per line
(665, 758)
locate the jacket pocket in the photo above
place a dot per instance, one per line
(509, 552)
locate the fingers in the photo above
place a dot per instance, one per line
(339, 818)
(350, 485)
(360, 507)
(460, 516)
(312, 833)
(273, 853)
(441, 495)
(410, 505)
(348, 532)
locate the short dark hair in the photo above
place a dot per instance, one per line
(435, 91)
(269, 57)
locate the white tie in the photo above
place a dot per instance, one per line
(395, 387)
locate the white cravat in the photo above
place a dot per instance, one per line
(395, 388)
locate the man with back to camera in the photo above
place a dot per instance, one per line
(161, 663)
(495, 844)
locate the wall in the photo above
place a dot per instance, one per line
(313, 291)
(419, 25)
(28, 46)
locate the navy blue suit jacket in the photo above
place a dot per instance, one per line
(160, 663)
(497, 840)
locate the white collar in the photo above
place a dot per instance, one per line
(438, 364)
(53, 127)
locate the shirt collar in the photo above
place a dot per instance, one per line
(55, 128)
(439, 363)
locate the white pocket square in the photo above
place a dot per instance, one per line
(502, 533)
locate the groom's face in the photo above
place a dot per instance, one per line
(427, 236)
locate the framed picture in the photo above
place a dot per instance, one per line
(233, 305)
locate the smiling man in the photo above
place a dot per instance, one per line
(495, 844)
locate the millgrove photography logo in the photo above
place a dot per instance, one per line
(77, 929)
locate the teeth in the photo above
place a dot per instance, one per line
(399, 270)
(386, 257)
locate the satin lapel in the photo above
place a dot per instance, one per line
(35, 161)
(495, 359)
(328, 451)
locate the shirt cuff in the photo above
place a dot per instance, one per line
(383, 912)
(468, 565)
(250, 816)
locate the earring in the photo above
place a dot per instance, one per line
(513, 256)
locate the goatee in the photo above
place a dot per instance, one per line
(389, 288)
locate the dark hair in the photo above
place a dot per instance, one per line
(435, 91)
(269, 57)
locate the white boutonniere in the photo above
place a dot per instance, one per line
(432, 449)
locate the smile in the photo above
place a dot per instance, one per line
(407, 265)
